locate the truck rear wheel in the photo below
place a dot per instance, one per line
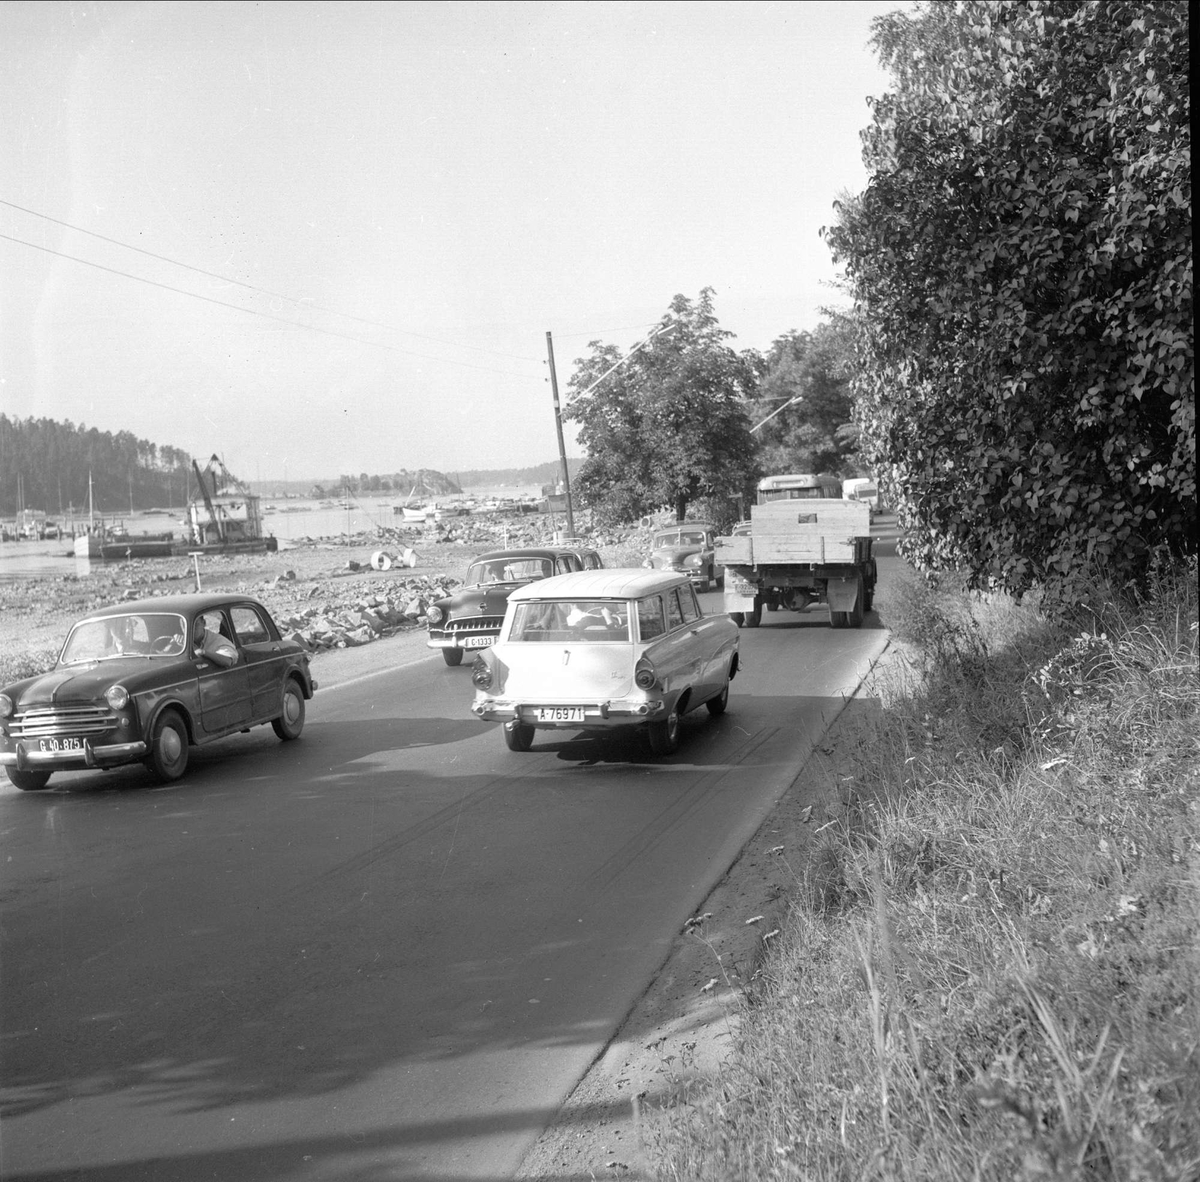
(854, 617)
(754, 616)
(739, 618)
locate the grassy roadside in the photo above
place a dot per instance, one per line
(990, 968)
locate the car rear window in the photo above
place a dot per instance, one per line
(650, 617)
(586, 621)
(249, 626)
(508, 570)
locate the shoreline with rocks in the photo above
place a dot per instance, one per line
(325, 593)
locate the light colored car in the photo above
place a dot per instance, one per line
(604, 649)
(686, 547)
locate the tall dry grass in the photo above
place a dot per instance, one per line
(992, 969)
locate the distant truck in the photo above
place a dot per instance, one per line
(862, 488)
(802, 544)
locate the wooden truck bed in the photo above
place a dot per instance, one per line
(800, 531)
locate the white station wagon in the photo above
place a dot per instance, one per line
(597, 650)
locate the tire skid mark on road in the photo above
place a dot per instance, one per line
(685, 803)
(385, 849)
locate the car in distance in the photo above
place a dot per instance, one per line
(470, 618)
(605, 649)
(686, 547)
(147, 680)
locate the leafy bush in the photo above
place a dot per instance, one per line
(1021, 262)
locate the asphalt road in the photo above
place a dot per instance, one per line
(386, 951)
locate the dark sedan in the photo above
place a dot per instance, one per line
(145, 681)
(686, 547)
(470, 619)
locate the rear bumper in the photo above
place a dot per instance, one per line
(596, 715)
(110, 755)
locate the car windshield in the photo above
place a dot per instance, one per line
(147, 634)
(679, 538)
(508, 570)
(586, 621)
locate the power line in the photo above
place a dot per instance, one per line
(265, 315)
(251, 287)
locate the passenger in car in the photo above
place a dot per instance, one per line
(213, 645)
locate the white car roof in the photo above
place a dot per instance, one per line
(614, 583)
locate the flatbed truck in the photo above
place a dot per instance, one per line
(802, 544)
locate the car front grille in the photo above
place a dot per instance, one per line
(49, 721)
(474, 625)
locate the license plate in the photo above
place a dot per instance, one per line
(560, 714)
(60, 744)
(478, 641)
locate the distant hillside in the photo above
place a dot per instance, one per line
(423, 482)
(546, 473)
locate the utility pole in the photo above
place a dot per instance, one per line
(562, 450)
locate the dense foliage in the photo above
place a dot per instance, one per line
(805, 402)
(667, 426)
(47, 464)
(1022, 268)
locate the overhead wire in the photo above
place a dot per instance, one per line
(265, 315)
(252, 287)
(281, 296)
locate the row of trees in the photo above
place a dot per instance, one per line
(689, 422)
(424, 482)
(47, 466)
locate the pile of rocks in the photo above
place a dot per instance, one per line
(324, 614)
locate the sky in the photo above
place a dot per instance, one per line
(328, 238)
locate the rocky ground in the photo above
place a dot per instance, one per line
(329, 593)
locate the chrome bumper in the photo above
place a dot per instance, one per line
(23, 759)
(598, 714)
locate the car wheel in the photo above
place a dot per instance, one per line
(28, 781)
(717, 705)
(754, 617)
(838, 619)
(739, 618)
(290, 722)
(168, 758)
(518, 736)
(706, 583)
(664, 736)
(452, 656)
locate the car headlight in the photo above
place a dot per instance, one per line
(6, 706)
(435, 615)
(692, 560)
(117, 696)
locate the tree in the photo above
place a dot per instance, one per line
(668, 426)
(813, 434)
(1022, 270)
